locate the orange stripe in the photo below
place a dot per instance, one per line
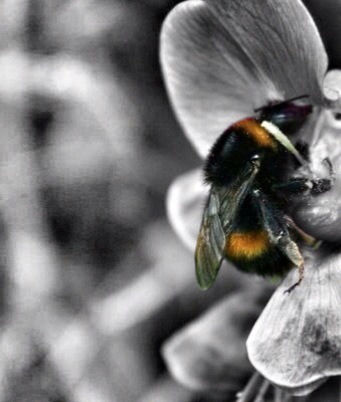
(258, 133)
(247, 245)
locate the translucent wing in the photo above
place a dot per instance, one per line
(210, 243)
(219, 215)
(277, 229)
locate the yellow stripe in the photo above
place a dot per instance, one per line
(258, 133)
(247, 245)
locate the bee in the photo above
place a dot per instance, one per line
(248, 170)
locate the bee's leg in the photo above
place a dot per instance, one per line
(300, 278)
(301, 185)
(305, 185)
(308, 240)
(325, 184)
(277, 229)
(291, 250)
(295, 186)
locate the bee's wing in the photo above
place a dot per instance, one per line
(210, 243)
(219, 215)
(277, 229)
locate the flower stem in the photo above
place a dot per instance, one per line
(261, 393)
(281, 396)
(251, 388)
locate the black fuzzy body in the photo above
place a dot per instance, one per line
(227, 159)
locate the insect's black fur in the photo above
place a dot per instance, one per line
(233, 149)
(226, 160)
(257, 233)
(272, 262)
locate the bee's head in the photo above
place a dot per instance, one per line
(288, 116)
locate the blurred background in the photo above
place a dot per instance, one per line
(92, 278)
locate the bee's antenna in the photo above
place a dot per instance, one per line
(281, 103)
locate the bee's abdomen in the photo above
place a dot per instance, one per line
(247, 245)
(252, 251)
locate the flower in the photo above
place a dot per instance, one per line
(221, 59)
(302, 331)
(197, 355)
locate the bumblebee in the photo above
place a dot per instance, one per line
(248, 170)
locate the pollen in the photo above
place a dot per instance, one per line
(259, 134)
(247, 245)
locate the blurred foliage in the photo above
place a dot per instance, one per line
(90, 146)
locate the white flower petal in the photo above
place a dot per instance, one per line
(222, 59)
(320, 215)
(210, 353)
(185, 204)
(296, 342)
(332, 87)
(282, 41)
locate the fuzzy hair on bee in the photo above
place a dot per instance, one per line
(248, 170)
